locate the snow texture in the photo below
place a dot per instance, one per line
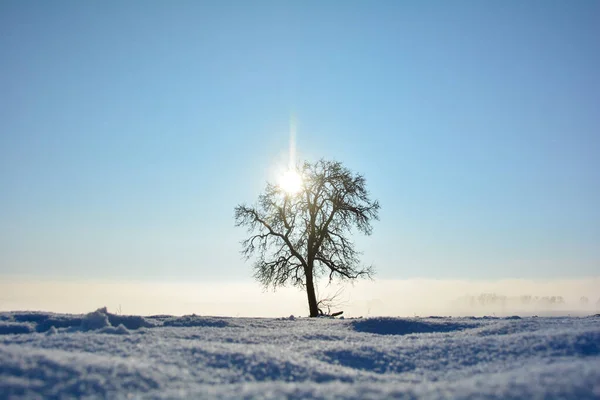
(102, 355)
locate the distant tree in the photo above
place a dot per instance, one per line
(486, 299)
(299, 235)
(550, 301)
(526, 299)
(546, 301)
(584, 300)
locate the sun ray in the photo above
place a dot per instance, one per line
(292, 155)
(291, 181)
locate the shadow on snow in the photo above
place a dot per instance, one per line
(400, 326)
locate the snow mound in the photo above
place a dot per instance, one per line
(45, 321)
(119, 330)
(52, 331)
(132, 322)
(15, 328)
(43, 373)
(368, 358)
(104, 322)
(95, 320)
(23, 322)
(197, 321)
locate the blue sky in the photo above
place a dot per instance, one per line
(130, 130)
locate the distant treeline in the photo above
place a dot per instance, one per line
(494, 299)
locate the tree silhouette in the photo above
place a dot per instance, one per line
(298, 237)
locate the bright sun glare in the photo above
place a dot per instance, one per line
(291, 182)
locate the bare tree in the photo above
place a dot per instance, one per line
(327, 302)
(298, 237)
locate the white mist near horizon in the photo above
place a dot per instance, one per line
(412, 297)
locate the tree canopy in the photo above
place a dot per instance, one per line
(297, 237)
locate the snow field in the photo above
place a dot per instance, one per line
(100, 355)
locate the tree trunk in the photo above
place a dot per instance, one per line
(310, 292)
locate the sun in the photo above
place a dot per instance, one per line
(290, 182)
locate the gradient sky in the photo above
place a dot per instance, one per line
(130, 130)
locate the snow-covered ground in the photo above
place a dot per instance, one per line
(45, 355)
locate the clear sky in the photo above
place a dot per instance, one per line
(130, 130)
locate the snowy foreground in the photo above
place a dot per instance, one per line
(44, 355)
